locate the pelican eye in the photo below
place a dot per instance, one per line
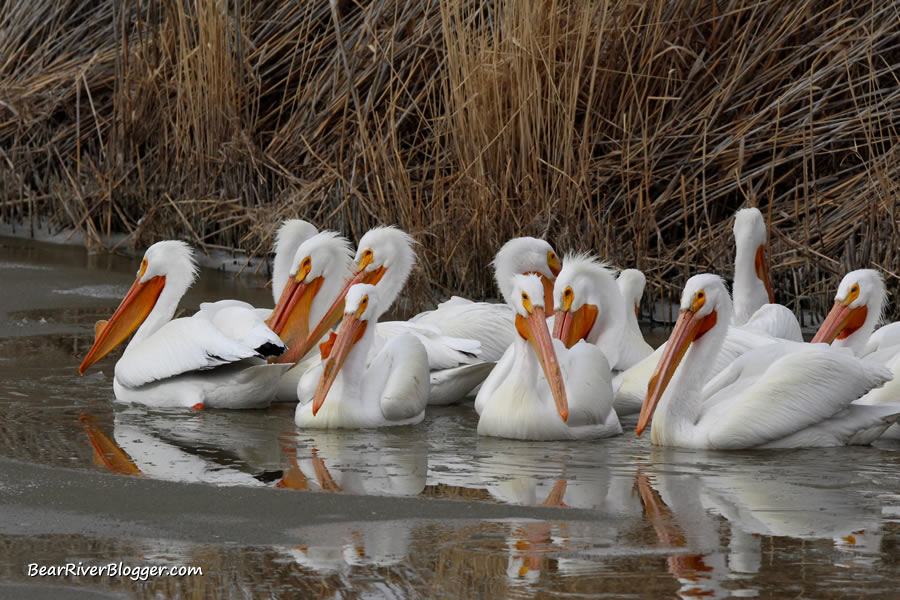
(553, 263)
(363, 303)
(852, 295)
(568, 298)
(143, 268)
(526, 303)
(699, 300)
(306, 262)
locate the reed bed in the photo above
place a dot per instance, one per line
(635, 129)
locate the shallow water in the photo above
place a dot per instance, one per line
(657, 522)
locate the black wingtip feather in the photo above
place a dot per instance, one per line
(269, 350)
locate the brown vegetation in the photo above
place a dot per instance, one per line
(633, 128)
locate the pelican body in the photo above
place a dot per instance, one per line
(356, 392)
(534, 395)
(858, 305)
(785, 395)
(634, 348)
(212, 359)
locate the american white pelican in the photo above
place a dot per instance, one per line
(782, 396)
(290, 235)
(588, 306)
(760, 323)
(316, 277)
(488, 323)
(634, 348)
(392, 389)
(531, 394)
(754, 300)
(858, 306)
(208, 360)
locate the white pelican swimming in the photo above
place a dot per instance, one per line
(208, 360)
(858, 306)
(588, 306)
(356, 391)
(533, 395)
(764, 324)
(289, 237)
(754, 301)
(634, 348)
(782, 396)
(318, 274)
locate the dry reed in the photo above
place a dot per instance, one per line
(632, 128)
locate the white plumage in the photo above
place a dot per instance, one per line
(392, 389)
(754, 306)
(532, 394)
(634, 348)
(211, 359)
(588, 305)
(784, 395)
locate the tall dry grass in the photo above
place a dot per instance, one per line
(632, 128)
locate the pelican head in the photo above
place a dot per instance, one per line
(631, 284)
(527, 299)
(323, 259)
(291, 234)
(360, 307)
(523, 255)
(857, 308)
(168, 268)
(384, 257)
(587, 303)
(750, 240)
(704, 302)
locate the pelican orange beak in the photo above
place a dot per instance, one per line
(132, 311)
(290, 318)
(351, 331)
(570, 326)
(534, 329)
(334, 312)
(841, 322)
(762, 271)
(688, 328)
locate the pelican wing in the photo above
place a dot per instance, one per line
(400, 370)
(488, 323)
(884, 337)
(444, 352)
(776, 320)
(588, 383)
(220, 333)
(774, 392)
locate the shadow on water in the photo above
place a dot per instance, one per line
(809, 523)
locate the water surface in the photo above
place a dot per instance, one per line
(610, 518)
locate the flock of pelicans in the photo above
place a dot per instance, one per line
(561, 359)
